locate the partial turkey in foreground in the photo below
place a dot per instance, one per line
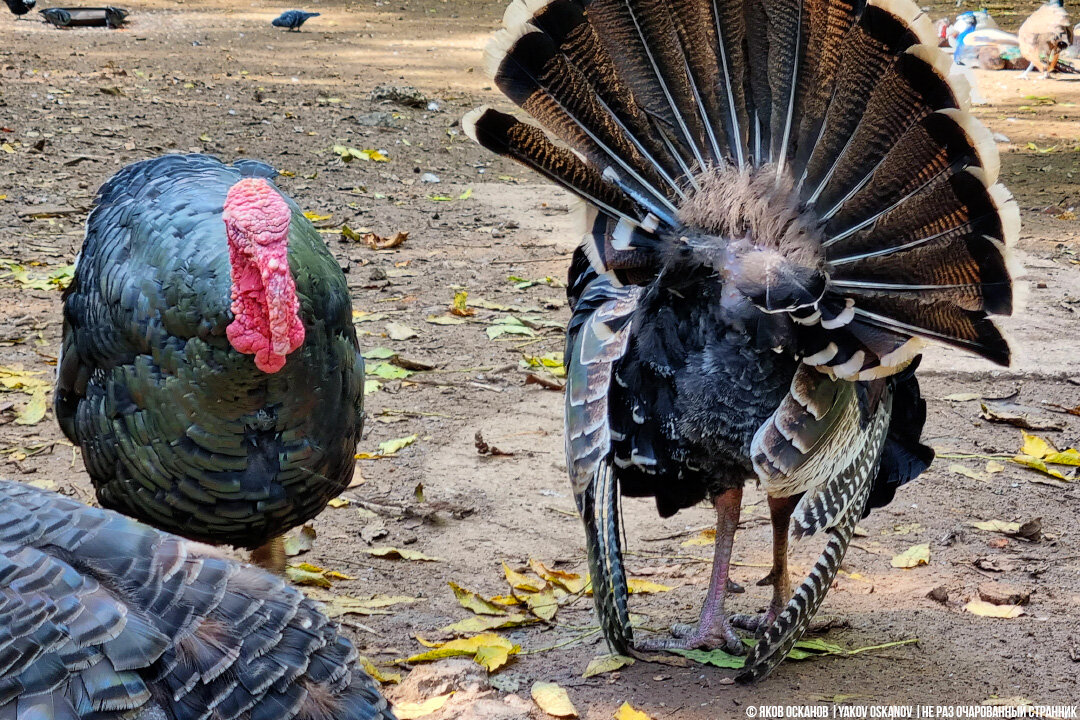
(209, 371)
(787, 197)
(109, 619)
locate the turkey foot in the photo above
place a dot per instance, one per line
(780, 510)
(713, 630)
(271, 556)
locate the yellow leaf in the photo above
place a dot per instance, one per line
(913, 557)
(705, 537)
(7, 148)
(411, 711)
(966, 472)
(568, 581)
(382, 676)
(335, 605)
(485, 623)
(307, 574)
(34, 411)
(994, 466)
(316, 217)
(1040, 449)
(338, 502)
(491, 657)
(519, 581)
(389, 447)
(475, 602)
(999, 526)
(1038, 464)
(639, 585)
(606, 664)
(543, 604)
(553, 700)
(485, 649)
(985, 609)
(627, 712)
(394, 553)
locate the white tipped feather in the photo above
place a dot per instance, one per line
(521, 12)
(849, 369)
(980, 138)
(500, 44)
(913, 16)
(823, 356)
(942, 65)
(843, 317)
(1009, 212)
(468, 122)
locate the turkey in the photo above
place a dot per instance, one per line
(786, 198)
(293, 19)
(209, 369)
(20, 7)
(1043, 37)
(106, 618)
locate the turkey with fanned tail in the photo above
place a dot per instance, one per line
(788, 197)
(209, 370)
(107, 619)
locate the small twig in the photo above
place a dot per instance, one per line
(530, 260)
(571, 641)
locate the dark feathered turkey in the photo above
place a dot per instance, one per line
(104, 618)
(211, 376)
(20, 7)
(786, 197)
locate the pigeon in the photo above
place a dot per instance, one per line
(293, 19)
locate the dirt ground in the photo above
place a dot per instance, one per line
(215, 77)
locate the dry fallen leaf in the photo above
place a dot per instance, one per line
(912, 557)
(378, 242)
(394, 553)
(397, 331)
(627, 712)
(411, 711)
(638, 585)
(488, 649)
(552, 699)
(520, 581)
(303, 541)
(475, 602)
(460, 305)
(998, 526)
(605, 664)
(985, 609)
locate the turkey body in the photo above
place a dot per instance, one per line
(177, 427)
(786, 199)
(107, 618)
(20, 7)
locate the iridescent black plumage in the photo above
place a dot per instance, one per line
(106, 618)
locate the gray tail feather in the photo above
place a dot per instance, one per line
(599, 506)
(771, 650)
(779, 638)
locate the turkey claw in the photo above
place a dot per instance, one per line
(692, 637)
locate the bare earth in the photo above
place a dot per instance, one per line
(216, 77)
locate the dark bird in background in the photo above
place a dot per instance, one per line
(20, 7)
(786, 197)
(111, 17)
(209, 369)
(104, 618)
(293, 19)
(1043, 37)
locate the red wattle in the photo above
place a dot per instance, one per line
(266, 320)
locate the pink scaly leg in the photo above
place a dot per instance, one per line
(780, 510)
(713, 629)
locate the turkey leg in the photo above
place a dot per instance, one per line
(713, 629)
(780, 510)
(271, 556)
